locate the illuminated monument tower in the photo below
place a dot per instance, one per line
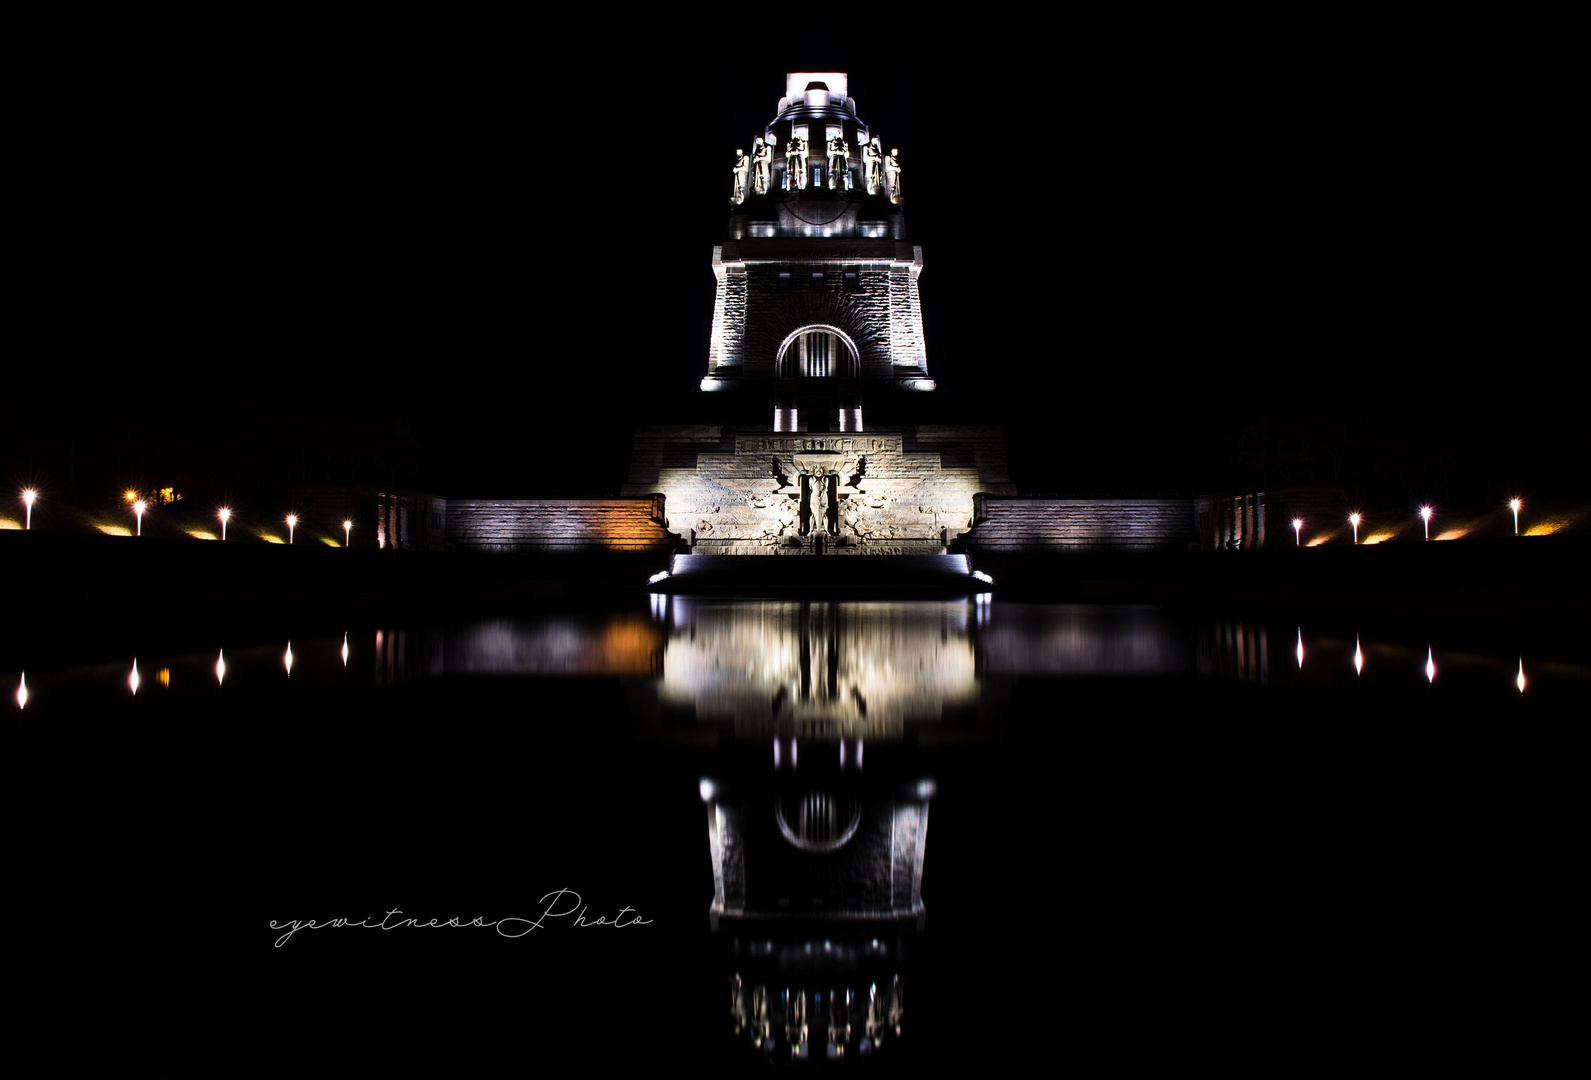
(818, 356)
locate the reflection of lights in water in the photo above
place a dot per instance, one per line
(220, 666)
(1520, 681)
(1358, 657)
(793, 757)
(163, 677)
(858, 753)
(22, 692)
(287, 660)
(132, 680)
(1430, 665)
(1300, 647)
(345, 648)
(776, 753)
(659, 605)
(842, 753)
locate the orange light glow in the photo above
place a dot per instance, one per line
(1377, 538)
(1453, 534)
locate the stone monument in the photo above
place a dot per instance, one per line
(818, 365)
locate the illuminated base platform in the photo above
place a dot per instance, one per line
(891, 575)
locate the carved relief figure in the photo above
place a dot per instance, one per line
(871, 157)
(892, 175)
(795, 163)
(820, 504)
(742, 167)
(839, 161)
(761, 164)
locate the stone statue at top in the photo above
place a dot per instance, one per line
(795, 163)
(761, 167)
(742, 166)
(839, 162)
(892, 175)
(871, 156)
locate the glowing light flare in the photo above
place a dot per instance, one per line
(225, 514)
(1300, 650)
(657, 577)
(1353, 519)
(28, 495)
(1425, 516)
(292, 523)
(348, 533)
(1298, 532)
(1514, 505)
(981, 576)
(1430, 665)
(220, 666)
(130, 495)
(287, 660)
(1520, 680)
(133, 680)
(138, 511)
(22, 690)
(345, 648)
(1358, 657)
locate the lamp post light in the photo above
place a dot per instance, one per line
(1425, 516)
(292, 523)
(1353, 519)
(28, 495)
(1514, 505)
(138, 510)
(1298, 525)
(225, 514)
(348, 528)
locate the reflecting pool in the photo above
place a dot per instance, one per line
(718, 830)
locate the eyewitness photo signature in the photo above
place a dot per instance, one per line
(564, 904)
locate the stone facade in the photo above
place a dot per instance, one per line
(888, 492)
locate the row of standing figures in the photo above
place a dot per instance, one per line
(879, 170)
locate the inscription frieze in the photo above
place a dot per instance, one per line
(792, 444)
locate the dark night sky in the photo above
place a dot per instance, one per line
(1168, 258)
